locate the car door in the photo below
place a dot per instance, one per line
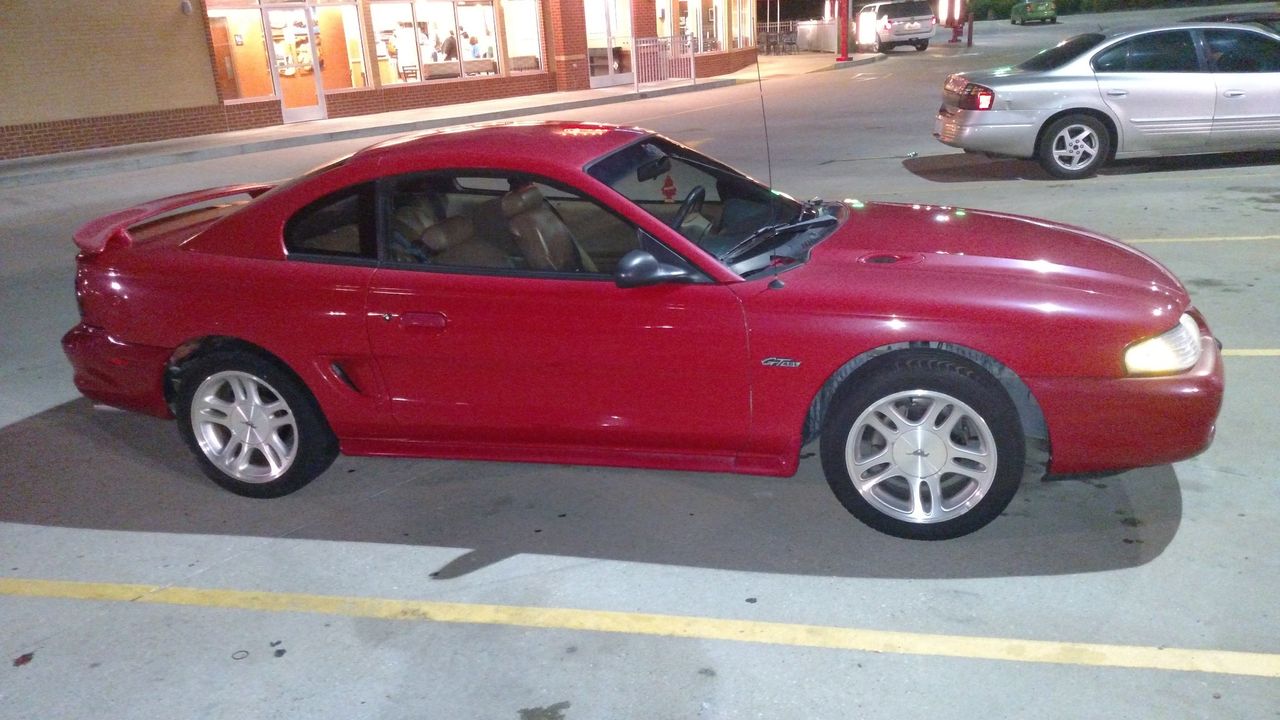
(514, 353)
(1246, 74)
(1161, 97)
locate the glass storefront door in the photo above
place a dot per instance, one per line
(609, 41)
(295, 56)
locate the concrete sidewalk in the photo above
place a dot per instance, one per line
(101, 161)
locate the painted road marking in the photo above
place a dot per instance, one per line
(1251, 352)
(1222, 662)
(1225, 238)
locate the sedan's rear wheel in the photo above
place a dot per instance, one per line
(1074, 147)
(928, 448)
(252, 427)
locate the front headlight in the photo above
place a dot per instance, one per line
(1172, 352)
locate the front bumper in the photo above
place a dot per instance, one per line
(989, 131)
(117, 373)
(1116, 424)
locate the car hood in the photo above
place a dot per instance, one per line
(958, 253)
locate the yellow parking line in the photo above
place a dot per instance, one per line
(1225, 238)
(673, 626)
(1250, 352)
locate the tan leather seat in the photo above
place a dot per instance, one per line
(452, 241)
(412, 217)
(541, 237)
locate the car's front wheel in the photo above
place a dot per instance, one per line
(1074, 147)
(928, 447)
(253, 428)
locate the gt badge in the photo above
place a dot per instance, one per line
(780, 362)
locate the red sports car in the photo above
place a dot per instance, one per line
(578, 293)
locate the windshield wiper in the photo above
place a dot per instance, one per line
(768, 232)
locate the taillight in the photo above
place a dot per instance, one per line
(976, 97)
(888, 23)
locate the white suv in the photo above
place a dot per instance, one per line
(905, 22)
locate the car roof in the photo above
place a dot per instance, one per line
(1234, 16)
(1125, 30)
(507, 144)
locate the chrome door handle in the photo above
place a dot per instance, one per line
(1117, 93)
(1234, 93)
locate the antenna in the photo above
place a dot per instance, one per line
(764, 117)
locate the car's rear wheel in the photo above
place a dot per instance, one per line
(1074, 147)
(922, 45)
(927, 448)
(253, 428)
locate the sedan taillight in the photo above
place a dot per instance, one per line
(976, 97)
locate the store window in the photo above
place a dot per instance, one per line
(434, 39)
(523, 34)
(242, 69)
(341, 46)
(742, 23)
(714, 28)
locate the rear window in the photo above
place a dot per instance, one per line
(1063, 53)
(908, 9)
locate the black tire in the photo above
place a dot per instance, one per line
(922, 45)
(965, 418)
(252, 426)
(881, 47)
(1074, 147)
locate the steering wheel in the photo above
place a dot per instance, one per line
(692, 201)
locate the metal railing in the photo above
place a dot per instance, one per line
(663, 59)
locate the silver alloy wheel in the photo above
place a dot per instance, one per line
(244, 426)
(921, 456)
(1076, 147)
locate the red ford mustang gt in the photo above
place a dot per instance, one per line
(577, 293)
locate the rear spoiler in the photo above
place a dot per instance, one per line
(94, 236)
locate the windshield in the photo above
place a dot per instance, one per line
(1063, 53)
(707, 202)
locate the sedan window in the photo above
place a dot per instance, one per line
(1171, 51)
(1234, 51)
(1062, 53)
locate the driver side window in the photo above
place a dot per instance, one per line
(506, 224)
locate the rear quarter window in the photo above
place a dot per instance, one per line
(340, 224)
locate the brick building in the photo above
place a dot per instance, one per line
(84, 75)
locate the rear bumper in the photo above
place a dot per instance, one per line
(117, 373)
(989, 131)
(1097, 425)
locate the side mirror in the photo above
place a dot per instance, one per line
(639, 268)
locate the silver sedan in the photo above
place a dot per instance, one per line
(1178, 89)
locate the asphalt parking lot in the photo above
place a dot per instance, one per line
(132, 587)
